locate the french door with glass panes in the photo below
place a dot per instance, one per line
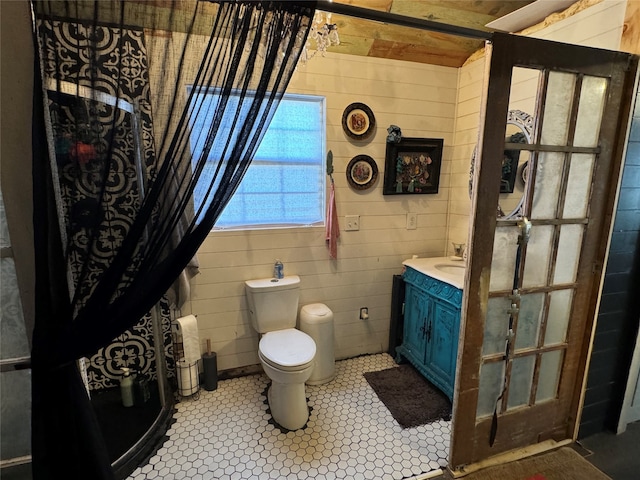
(533, 275)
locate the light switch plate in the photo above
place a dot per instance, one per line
(352, 222)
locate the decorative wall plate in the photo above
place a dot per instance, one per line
(358, 121)
(362, 172)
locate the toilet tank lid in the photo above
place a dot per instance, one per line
(290, 281)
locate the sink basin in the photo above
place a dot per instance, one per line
(454, 269)
(441, 268)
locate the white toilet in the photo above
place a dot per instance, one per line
(286, 354)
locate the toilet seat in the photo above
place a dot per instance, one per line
(288, 349)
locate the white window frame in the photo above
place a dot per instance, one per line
(321, 100)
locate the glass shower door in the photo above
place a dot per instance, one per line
(15, 378)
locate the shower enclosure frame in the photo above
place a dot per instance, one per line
(130, 459)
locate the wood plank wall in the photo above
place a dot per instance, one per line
(425, 101)
(470, 83)
(421, 100)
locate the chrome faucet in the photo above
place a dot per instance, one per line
(458, 249)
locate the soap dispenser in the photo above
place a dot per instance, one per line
(126, 387)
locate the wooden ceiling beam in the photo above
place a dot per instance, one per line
(401, 20)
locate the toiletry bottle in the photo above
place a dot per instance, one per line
(126, 388)
(278, 269)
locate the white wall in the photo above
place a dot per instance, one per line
(470, 81)
(421, 100)
(425, 101)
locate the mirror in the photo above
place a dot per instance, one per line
(515, 165)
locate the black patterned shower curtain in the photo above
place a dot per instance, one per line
(115, 171)
(72, 115)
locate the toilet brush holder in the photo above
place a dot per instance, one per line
(210, 367)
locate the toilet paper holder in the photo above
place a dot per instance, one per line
(187, 374)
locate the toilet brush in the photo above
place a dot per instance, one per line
(210, 366)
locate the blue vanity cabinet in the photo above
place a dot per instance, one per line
(416, 312)
(431, 328)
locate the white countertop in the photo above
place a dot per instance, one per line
(450, 270)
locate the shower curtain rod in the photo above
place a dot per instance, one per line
(401, 20)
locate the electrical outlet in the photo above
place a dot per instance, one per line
(412, 221)
(353, 222)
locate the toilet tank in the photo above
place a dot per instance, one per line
(273, 303)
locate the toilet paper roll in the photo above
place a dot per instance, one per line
(187, 378)
(188, 329)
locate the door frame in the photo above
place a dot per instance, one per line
(504, 52)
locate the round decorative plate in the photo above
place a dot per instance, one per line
(362, 172)
(358, 121)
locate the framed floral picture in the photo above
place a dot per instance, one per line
(358, 121)
(412, 166)
(362, 172)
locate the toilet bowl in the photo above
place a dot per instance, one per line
(287, 357)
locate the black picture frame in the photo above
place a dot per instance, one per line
(510, 163)
(412, 166)
(509, 170)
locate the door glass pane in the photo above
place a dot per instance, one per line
(547, 186)
(557, 108)
(558, 317)
(15, 396)
(496, 326)
(521, 380)
(529, 318)
(4, 229)
(578, 186)
(590, 110)
(537, 258)
(569, 247)
(550, 368)
(524, 87)
(491, 381)
(505, 245)
(13, 334)
(15, 386)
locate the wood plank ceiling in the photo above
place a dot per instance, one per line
(374, 39)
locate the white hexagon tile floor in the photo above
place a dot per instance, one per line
(227, 434)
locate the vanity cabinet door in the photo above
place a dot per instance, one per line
(443, 345)
(415, 318)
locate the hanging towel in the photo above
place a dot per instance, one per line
(333, 229)
(188, 329)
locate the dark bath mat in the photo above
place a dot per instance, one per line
(411, 398)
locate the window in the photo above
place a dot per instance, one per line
(285, 183)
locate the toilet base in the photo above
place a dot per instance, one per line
(321, 381)
(288, 404)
